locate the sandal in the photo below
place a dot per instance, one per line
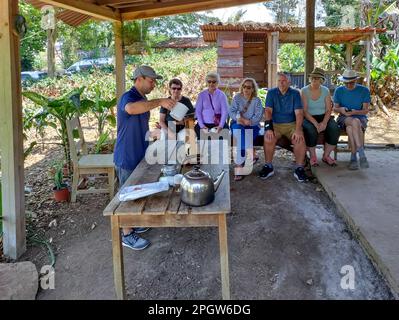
(238, 178)
(329, 161)
(313, 162)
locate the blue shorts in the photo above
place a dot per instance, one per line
(341, 122)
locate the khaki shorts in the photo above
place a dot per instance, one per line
(284, 129)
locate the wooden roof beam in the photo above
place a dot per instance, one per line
(89, 9)
(159, 9)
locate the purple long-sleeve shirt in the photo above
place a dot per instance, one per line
(204, 110)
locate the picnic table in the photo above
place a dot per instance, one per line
(166, 210)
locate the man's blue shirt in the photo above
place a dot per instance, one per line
(352, 99)
(131, 141)
(283, 106)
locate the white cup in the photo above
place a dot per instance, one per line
(179, 111)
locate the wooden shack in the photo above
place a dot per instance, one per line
(250, 49)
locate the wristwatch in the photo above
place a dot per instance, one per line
(268, 125)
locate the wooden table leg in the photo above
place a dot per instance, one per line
(117, 256)
(224, 257)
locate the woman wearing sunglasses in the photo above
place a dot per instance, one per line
(211, 108)
(246, 112)
(175, 92)
(317, 109)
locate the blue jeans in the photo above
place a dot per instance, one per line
(122, 174)
(239, 131)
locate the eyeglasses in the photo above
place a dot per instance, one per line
(247, 87)
(212, 81)
(175, 88)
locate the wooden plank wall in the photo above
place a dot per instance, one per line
(230, 58)
(255, 62)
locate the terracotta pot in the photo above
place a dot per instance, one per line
(61, 194)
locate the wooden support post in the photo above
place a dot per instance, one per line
(119, 60)
(349, 52)
(269, 60)
(51, 38)
(368, 56)
(309, 38)
(11, 143)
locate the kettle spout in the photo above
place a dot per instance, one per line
(218, 179)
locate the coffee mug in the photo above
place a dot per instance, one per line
(179, 111)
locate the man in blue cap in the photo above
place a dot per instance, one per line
(133, 115)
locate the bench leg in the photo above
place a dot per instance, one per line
(111, 182)
(75, 181)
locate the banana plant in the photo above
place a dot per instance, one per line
(55, 112)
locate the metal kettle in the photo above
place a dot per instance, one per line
(198, 188)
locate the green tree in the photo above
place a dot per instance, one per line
(236, 17)
(291, 58)
(284, 11)
(333, 9)
(35, 38)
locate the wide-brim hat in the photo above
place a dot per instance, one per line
(318, 72)
(349, 76)
(145, 71)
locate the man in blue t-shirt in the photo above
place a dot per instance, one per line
(133, 115)
(352, 101)
(284, 117)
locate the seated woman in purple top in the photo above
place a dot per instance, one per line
(211, 108)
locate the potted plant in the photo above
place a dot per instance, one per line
(61, 191)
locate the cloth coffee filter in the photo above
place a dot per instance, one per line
(179, 111)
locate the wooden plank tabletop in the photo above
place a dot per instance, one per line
(168, 202)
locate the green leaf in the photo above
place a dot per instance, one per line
(36, 98)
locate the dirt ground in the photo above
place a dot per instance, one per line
(286, 240)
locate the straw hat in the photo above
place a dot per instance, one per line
(349, 76)
(318, 72)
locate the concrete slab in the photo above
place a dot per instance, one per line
(369, 202)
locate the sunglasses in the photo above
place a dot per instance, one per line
(212, 81)
(175, 88)
(247, 87)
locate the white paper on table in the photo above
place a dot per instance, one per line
(142, 190)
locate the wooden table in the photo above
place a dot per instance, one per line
(166, 210)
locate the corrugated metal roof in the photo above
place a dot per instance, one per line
(183, 43)
(288, 33)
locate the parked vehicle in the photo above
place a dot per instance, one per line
(88, 64)
(32, 76)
